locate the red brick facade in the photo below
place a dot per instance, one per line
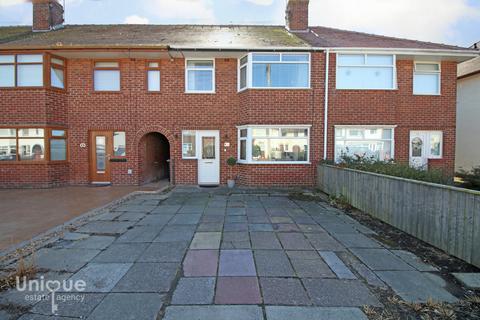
(138, 112)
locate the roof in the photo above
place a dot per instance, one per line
(468, 68)
(336, 38)
(152, 36)
(226, 37)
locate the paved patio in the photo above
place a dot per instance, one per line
(206, 255)
(26, 213)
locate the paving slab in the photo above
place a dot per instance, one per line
(324, 242)
(310, 228)
(63, 259)
(243, 312)
(236, 219)
(185, 219)
(128, 306)
(175, 233)
(140, 234)
(264, 240)
(337, 265)
(236, 263)
(121, 252)
(206, 240)
(200, 263)
(191, 209)
(164, 252)
(313, 313)
(235, 227)
(356, 240)
(380, 259)
(106, 227)
(194, 291)
(131, 216)
(93, 242)
(413, 260)
(166, 209)
(70, 308)
(470, 280)
(101, 277)
(283, 291)
(33, 316)
(155, 220)
(210, 227)
(273, 263)
(148, 277)
(294, 241)
(237, 290)
(285, 227)
(414, 286)
(339, 293)
(311, 268)
(74, 236)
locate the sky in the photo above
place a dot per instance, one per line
(444, 21)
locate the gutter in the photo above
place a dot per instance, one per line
(325, 112)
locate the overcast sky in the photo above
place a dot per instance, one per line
(447, 21)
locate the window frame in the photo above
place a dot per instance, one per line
(47, 136)
(15, 65)
(196, 144)
(365, 127)
(250, 63)
(212, 69)
(53, 65)
(249, 140)
(113, 156)
(147, 70)
(439, 73)
(366, 54)
(118, 68)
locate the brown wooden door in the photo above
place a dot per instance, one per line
(100, 154)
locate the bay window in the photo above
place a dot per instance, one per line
(106, 76)
(273, 144)
(33, 144)
(57, 73)
(21, 70)
(371, 142)
(274, 70)
(366, 72)
(426, 78)
(200, 76)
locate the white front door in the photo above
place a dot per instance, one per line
(418, 150)
(209, 160)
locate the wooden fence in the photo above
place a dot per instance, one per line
(443, 216)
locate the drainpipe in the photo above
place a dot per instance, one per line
(325, 113)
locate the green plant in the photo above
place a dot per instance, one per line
(231, 161)
(392, 168)
(471, 179)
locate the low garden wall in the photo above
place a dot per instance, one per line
(443, 216)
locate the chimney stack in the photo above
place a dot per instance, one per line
(296, 15)
(47, 15)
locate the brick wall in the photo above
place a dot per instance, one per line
(138, 112)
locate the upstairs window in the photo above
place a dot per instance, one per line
(57, 73)
(22, 70)
(366, 72)
(200, 76)
(106, 76)
(426, 78)
(274, 70)
(153, 77)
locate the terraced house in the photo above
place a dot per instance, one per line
(128, 104)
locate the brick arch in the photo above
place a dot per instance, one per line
(149, 129)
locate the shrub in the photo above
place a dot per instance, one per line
(391, 168)
(471, 179)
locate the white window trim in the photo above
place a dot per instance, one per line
(370, 126)
(199, 69)
(439, 72)
(250, 71)
(428, 146)
(395, 82)
(249, 139)
(196, 143)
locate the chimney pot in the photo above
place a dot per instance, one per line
(296, 15)
(47, 15)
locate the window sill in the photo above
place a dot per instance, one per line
(200, 92)
(23, 88)
(109, 92)
(427, 94)
(276, 162)
(352, 89)
(39, 162)
(268, 88)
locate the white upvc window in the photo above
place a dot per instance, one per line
(189, 144)
(272, 144)
(274, 71)
(366, 141)
(427, 78)
(153, 76)
(200, 75)
(366, 71)
(106, 76)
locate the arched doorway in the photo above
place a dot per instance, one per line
(154, 151)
